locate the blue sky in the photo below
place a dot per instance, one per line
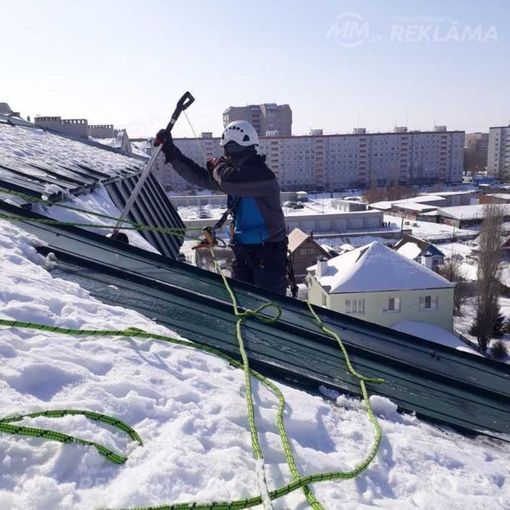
(337, 63)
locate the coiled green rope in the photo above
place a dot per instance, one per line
(6, 426)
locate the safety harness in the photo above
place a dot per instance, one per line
(210, 240)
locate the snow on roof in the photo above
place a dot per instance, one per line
(377, 268)
(408, 202)
(504, 196)
(141, 148)
(384, 205)
(409, 250)
(434, 334)
(296, 238)
(449, 193)
(21, 147)
(114, 142)
(416, 206)
(175, 396)
(422, 199)
(470, 212)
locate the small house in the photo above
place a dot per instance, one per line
(420, 251)
(305, 251)
(377, 284)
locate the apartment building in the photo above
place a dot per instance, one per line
(334, 162)
(267, 118)
(498, 161)
(477, 151)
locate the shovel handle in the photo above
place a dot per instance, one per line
(184, 102)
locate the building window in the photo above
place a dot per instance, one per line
(324, 300)
(393, 304)
(354, 306)
(428, 302)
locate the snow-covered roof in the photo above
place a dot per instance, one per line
(409, 250)
(13, 120)
(448, 193)
(296, 238)
(434, 334)
(502, 196)
(422, 199)
(386, 205)
(23, 146)
(416, 206)
(175, 397)
(470, 212)
(114, 142)
(377, 268)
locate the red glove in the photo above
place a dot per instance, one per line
(164, 139)
(160, 138)
(214, 162)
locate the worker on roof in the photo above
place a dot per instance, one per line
(259, 239)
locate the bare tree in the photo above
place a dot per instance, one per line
(451, 271)
(489, 256)
(395, 192)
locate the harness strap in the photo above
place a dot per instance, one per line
(232, 206)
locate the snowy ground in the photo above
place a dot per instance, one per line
(189, 409)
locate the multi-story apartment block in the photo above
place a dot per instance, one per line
(334, 162)
(498, 160)
(198, 149)
(267, 118)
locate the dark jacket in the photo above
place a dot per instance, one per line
(253, 192)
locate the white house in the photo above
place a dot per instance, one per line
(379, 285)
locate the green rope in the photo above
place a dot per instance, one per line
(298, 482)
(21, 430)
(131, 225)
(179, 232)
(240, 318)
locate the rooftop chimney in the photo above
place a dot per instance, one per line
(322, 267)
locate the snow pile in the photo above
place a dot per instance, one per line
(189, 409)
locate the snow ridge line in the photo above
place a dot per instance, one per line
(298, 480)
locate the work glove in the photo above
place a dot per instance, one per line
(164, 138)
(214, 162)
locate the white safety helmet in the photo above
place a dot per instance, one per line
(241, 132)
